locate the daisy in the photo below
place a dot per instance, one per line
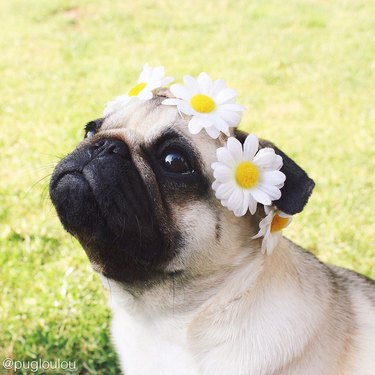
(149, 80)
(270, 228)
(211, 104)
(245, 176)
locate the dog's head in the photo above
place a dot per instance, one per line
(137, 194)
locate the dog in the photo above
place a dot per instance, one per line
(191, 292)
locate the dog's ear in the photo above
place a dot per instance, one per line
(298, 185)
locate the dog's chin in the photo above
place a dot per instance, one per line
(113, 221)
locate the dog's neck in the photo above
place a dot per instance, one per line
(254, 295)
(247, 272)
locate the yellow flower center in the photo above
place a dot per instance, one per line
(202, 103)
(137, 89)
(247, 174)
(279, 223)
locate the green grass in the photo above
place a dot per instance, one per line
(304, 69)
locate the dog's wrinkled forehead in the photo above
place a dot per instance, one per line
(147, 121)
(145, 117)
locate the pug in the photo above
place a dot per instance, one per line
(190, 290)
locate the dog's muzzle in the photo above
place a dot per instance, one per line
(102, 200)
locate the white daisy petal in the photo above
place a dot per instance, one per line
(225, 95)
(231, 118)
(221, 125)
(264, 244)
(283, 214)
(241, 209)
(191, 84)
(205, 83)
(218, 86)
(260, 196)
(250, 147)
(217, 164)
(115, 105)
(272, 191)
(185, 108)
(225, 190)
(215, 185)
(235, 148)
(272, 177)
(261, 233)
(195, 126)
(204, 121)
(224, 202)
(268, 209)
(166, 81)
(180, 91)
(145, 74)
(235, 200)
(225, 157)
(263, 226)
(153, 84)
(207, 122)
(266, 158)
(171, 101)
(252, 204)
(278, 162)
(212, 132)
(230, 101)
(232, 107)
(145, 95)
(158, 72)
(273, 241)
(245, 202)
(223, 173)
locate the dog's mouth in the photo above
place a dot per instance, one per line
(83, 185)
(105, 204)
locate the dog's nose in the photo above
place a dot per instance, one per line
(109, 146)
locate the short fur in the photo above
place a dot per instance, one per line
(191, 293)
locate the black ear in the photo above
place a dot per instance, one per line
(298, 185)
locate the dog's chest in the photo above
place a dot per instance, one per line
(152, 347)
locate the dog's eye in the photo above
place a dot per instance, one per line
(175, 162)
(89, 133)
(93, 127)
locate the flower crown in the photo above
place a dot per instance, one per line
(244, 174)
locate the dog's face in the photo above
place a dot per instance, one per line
(137, 195)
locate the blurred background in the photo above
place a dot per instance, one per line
(304, 69)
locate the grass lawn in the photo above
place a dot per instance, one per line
(304, 69)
